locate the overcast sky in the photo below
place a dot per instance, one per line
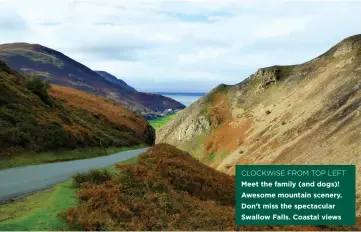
(181, 45)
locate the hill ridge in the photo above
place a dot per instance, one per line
(34, 59)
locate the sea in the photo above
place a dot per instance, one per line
(185, 98)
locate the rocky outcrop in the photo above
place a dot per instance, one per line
(187, 127)
(267, 76)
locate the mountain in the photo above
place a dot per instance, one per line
(113, 79)
(301, 114)
(34, 118)
(165, 190)
(33, 59)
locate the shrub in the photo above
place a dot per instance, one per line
(10, 116)
(39, 87)
(57, 137)
(91, 177)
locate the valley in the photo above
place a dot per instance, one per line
(88, 134)
(184, 98)
(160, 122)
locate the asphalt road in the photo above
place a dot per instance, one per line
(20, 181)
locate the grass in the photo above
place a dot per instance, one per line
(159, 122)
(50, 157)
(217, 156)
(40, 211)
(212, 157)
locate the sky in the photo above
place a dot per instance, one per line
(181, 45)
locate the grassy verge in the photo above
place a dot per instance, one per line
(40, 210)
(159, 122)
(50, 157)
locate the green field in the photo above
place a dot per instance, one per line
(159, 122)
(40, 210)
(50, 157)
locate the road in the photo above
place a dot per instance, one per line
(23, 180)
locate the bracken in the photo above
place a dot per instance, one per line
(166, 190)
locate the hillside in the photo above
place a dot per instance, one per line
(33, 121)
(109, 77)
(166, 189)
(33, 59)
(300, 114)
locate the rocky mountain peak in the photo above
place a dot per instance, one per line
(347, 46)
(267, 76)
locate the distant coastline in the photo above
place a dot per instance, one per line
(181, 94)
(185, 98)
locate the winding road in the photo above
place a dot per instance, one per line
(16, 182)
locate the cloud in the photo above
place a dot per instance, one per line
(201, 55)
(12, 26)
(11, 21)
(282, 27)
(49, 23)
(119, 52)
(182, 45)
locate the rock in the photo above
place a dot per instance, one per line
(267, 76)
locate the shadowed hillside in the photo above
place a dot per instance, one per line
(33, 59)
(31, 120)
(113, 79)
(300, 114)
